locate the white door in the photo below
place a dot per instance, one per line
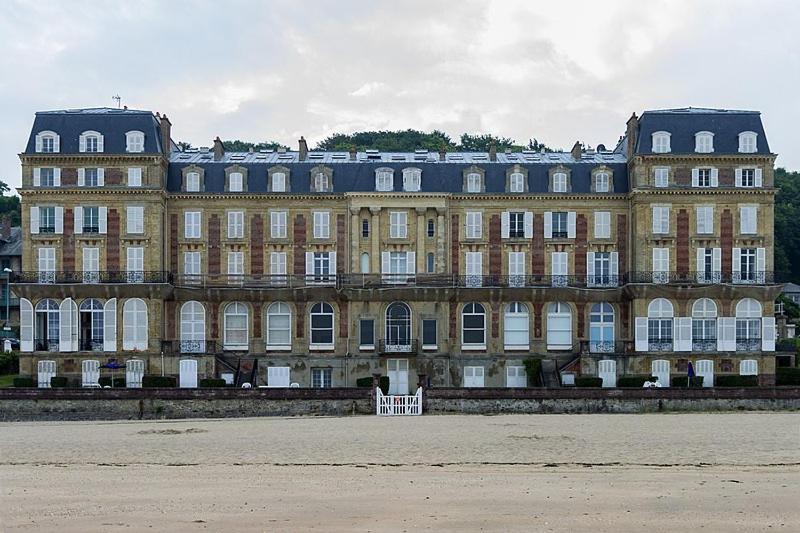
(278, 376)
(607, 369)
(660, 369)
(45, 371)
(134, 372)
(748, 367)
(516, 376)
(397, 369)
(90, 373)
(705, 368)
(473, 376)
(188, 374)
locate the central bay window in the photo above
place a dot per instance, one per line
(559, 326)
(749, 265)
(516, 225)
(515, 327)
(397, 266)
(709, 265)
(601, 328)
(322, 225)
(474, 225)
(398, 224)
(559, 271)
(398, 328)
(134, 325)
(321, 325)
(559, 225)
(473, 327)
(474, 269)
(320, 267)
(279, 326)
(704, 325)
(277, 224)
(134, 266)
(748, 325)
(91, 325)
(659, 326)
(516, 269)
(236, 334)
(235, 224)
(47, 265)
(602, 269)
(193, 328)
(90, 141)
(705, 177)
(47, 326)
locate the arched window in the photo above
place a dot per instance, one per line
(134, 325)
(193, 328)
(47, 142)
(322, 183)
(235, 330)
(279, 326)
(322, 326)
(661, 142)
(659, 325)
(473, 326)
(47, 322)
(398, 327)
(384, 179)
(601, 328)
(516, 182)
(90, 141)
(365, 263)
(559, 326)
(703, 142)
(748, 325)
(91, 325)
(134, 141)
(748, 142)
(412, 178)
(704, 325)
(515, 327)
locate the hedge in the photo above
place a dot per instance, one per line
(58, 382)
(787, 376)
(9, 363)
(533, 368)
(367, 383)
(105, 381)
(159, 381)
(736, 381)
(588, 382)
(24, 382)
(697, 381)
(212, 382)
(634, 381)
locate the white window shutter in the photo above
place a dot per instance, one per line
(695, 177)
(759, 179)
(642, 343)
(38, 143)
(761, 264)
(768, 334)
(590, 269)
(700, 264)
(716, 261)
(57, 177)
(714, 177)
(309, 263)
(332, 262)
(82, 143)
(411, 262)
(103, 220)
(81, 177)
(737, 261)
(548, 225)
(101, 177)
(78, 220)
(59, 220)
(57, 143)
(726, 334)
(571, 218)
(65, 326)
(37, 177)
(528, 225)
(34, 221)
(683, 334)
(100, 143)
(25, 325)
(504, 223)
(615, 268)
(738, 177)
(385, 263)
(721, 334)
(110, 325)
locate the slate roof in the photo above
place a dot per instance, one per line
(13, 246)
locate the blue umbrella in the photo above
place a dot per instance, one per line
(689, 374)
(113, 365)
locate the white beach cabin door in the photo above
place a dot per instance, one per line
(660, 369)
(516, 376)
(473, 376)
(705, 368)
(45, 371)
(607, 369)
(278, 376)
(90, 373)
(188, 374)
(134, 372)
(397, 369)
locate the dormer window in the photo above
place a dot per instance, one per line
(559, 182)
(411, 179)
(90, 142)
(235, 182)
(384, 179)
(704, 142)
(473, 182)
(602, 182)
(516, 182)
(747, 142)
(661, 142)
(47, 142)
(134, 142)
(192, 182)
(321, 182)
(279, 182)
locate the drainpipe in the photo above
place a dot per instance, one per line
(162, 362)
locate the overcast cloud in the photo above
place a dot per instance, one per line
(558, 71)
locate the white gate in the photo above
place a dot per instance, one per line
(516, 376)
(705, 368)
(278, 376)
(188, 373)
(398, 404)
(90, 374)
(607, 369)
(660, 369)
(134, 373)
(473, 376)
(397, 370)
(45, 371)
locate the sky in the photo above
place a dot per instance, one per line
(275, 70)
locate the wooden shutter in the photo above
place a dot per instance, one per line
(81, 177)
(25, 325)
(761, 264)
(714, 177)
(548, 225)
(110, 325)
(34, 221)
(66, 319)
(102, 220)
(738, 177)
(695, 177)
(57, 143)
(38, 143)
(590, 269)
(571, 224)
(528, 224)
(758, 178)
(78, 219)
(642, 343)
(309, 264)
(101, 176)
(504, 223)
(59, 220)
(768, 334)
(37, 177)
(726, 334)
(100, 143)
(411, 262)
(82, 143)
(683, 334)
(716, 262)
(614, 268)
(56, 177)
(331, 264)
(700, 262)
(385, 262)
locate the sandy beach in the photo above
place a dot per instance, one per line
(715, 472)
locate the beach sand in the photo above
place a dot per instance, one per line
(659, 472)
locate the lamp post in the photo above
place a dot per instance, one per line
(7, 272)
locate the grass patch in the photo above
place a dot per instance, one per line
(7, 380)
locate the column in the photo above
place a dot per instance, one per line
(354, 240)
(441, 243)
(421, 227)
(375, 255)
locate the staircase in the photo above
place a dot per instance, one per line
(245, 369)
(550, 376)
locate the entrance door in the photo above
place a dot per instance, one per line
(134, 372)
(516, 376)
(188, 374)
(45, 371)
(473, 376)
(660, 369)
(607, 369)
(397, 369)
(705, 368)
(278, 376)
(90, 373)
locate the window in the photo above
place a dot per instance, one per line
(46, 177)
(398, 224)
(279, 326)
(365, 263)
(47, 219)
(515, 326)
(747, 142)
(746, 177)
(278, 182)
(193, 328)
(398, 266)
(603, 269)
(430, 263)
(709, 265)
(47, 142)
(516, 269)
(431, 228)
(705, 219)
(602, 225)
(748, 219)
(560, 225)
(411, 179)
(516, 225)
(661, 142)
(704, 142)
(134, 216)
(474, 269)
(91, 264)
(516, 182)
(559, 262)
(474, 182)
(191, 266)
(660, 219)
(321, 266)
(277, 224)
(321, 182)
(659, 325)
(365, 228)
(134, 141)
(398, 327)
(235, 224)
(91, 219)
(277, 266)
(602, 182)
(236, 182)
(704, 325)
(192, 182)
(91, 325)
(516, 377)
(91, 177)
(235, 265)
(473, 376)
(47, 265)
(429, 337)
(134, 256)
(90, 141)
(660, 265)
(366, 334)
(235, 327)
(474, 224)
(559, 326)
(601, 328)
(473, 326)
(134, 177)
(134, 325)
(192, 224)
(703, 177)
(661, 176)
(322, 225)
(321, 326)
(747, 265)
(748, 325)
(559, 182)
(321, 378)
(384, 180)
(47, 326)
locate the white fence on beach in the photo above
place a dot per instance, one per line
(399, 404)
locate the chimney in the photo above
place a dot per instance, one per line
(219, 150)
(577, 149)
(166, 135)
(303, 148)
(493, 152)
(442, 153)
(633, 131)
(353, 152)
(5, 228)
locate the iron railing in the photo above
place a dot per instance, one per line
(690, 277)
(605, 347)
(396, 346)
(660, 344)
(90, 345)
(45, 345)
(106, 276)
(178, 347)
(748, 344)
(704, 345)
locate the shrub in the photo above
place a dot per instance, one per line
(533, 368)
(9, 363)
(105, 381)
(367, 383)
(588, 382)
(787, 376)
(212, 382)
(159, 381)
(24, 382)
(697, 381)
(736, 381)
(634, 381)
(58, 382)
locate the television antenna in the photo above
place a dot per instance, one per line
(118, 98)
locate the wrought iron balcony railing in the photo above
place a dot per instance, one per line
(605, 347)
(45, 344)
(704, 345)
(397, 346)
(90, 345)
(660, 344)
(704, 277)
(750, 344)
(112, 276)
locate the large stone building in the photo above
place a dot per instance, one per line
(319, 268)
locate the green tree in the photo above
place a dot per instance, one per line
(787, 214)
(9, 205)
(387, 141)
(245, 146)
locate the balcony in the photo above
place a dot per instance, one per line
(91, 345)
(704, 345)
(45, 345)
(703, 278)
(659, 344)
(605, 347)
(91, 277)
(748, 344)
(396, 346)
(178, 347)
